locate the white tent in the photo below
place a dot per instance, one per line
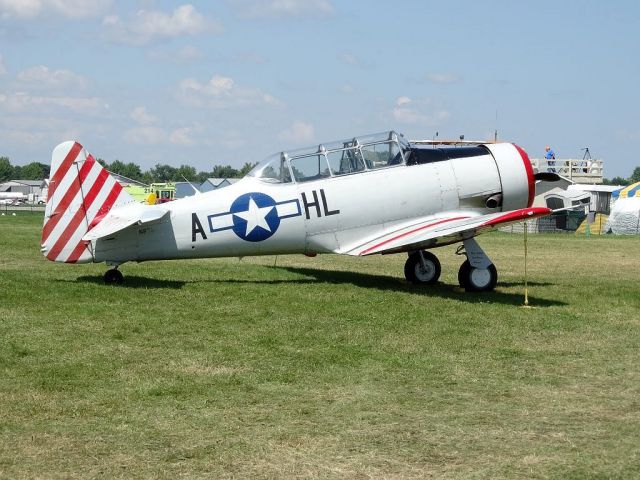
(625, 216)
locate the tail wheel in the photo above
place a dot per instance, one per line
(477, 279)
(422, 274)
(113, 276)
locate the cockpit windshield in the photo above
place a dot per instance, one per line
(273, 169)
(355, 155)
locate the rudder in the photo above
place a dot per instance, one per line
(81, 193)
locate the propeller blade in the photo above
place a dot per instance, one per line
(547, 176)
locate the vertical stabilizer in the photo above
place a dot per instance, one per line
(81, 193)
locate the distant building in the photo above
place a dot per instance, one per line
(126, 181)
(31, 188)
(185, 189)
(216, 183)
(584, 170)
(600, 196)
(544, 188)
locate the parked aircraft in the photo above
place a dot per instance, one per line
(13, 196)
(375, 194)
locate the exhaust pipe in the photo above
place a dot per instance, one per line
(494, 201)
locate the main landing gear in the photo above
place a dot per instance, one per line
(476, 274)
(113, 276)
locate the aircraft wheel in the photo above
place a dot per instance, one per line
(477, 279)
(415, 273)
(113, 276)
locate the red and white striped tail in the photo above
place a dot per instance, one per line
(81, 193)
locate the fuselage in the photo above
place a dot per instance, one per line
(257, 216)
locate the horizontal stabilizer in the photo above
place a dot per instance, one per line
(135, 214)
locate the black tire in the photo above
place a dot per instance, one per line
(477, 279)
(463, 274)
(113, 276)
(414, 272)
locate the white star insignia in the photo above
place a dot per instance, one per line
(255, 217)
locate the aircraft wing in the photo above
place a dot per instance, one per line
(442, 229)
(119, 219)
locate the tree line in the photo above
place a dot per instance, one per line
(167, 173)
(635, 177)
(159, 173)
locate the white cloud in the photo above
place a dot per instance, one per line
(233, 140)
(354, 61)
(418, 113)
(23, 102)
(153, 135)
(442, 78)
(187, 53)
(298, 132)
(28, 9)
(146, 135)
(222, 92)
(21, 137)
(284, 8)
(3, 68)
(182, 136)
(44, 78)
(147, 26)
(141, 117)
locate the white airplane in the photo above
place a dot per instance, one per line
(13, 196)
(376, 194)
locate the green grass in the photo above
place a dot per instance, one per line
(331, 367)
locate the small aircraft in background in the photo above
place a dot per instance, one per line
(12, 198)
(375, 194)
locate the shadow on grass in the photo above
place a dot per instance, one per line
(132, 281)
(363, 280)
(387, 283)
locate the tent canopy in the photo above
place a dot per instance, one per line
(632, 190)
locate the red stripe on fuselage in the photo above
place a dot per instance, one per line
(410, 232)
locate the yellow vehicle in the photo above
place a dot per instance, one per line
(153, 194)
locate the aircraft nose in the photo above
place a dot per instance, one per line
(529, 171)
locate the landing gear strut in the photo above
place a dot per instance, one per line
(422, 268)
(113, 276)
(477, 273)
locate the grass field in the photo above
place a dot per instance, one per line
(330, 367)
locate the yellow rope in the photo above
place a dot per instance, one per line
(526, 288)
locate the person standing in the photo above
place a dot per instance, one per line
(550, 157)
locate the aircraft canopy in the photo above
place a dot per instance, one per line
(343, 157)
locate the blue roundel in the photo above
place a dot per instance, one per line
(255, 216)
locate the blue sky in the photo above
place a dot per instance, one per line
(229, 82)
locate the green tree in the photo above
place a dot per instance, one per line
(162, 173)
(635, 176)
(6, 169)
(202, 176)
(35, 171)
(246, 168)
(616, 181)
(186, 172)
(224, 171)
(129, 170)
